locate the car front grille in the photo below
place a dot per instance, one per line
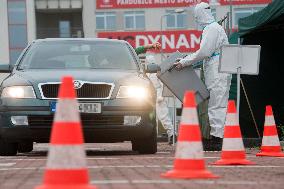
(87, 91)
(87, 120)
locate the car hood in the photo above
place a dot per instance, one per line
(35, 77)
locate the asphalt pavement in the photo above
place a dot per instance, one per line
(116, 166)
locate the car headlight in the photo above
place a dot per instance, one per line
(18, 92)
(133, 92)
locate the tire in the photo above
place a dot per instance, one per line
(25, 147)
(148, 145)
(8, 149)
(135, 146)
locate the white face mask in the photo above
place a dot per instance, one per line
(203, 15)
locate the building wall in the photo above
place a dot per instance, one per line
(4, 37)
(88, 7)
(89, 21)
(31, 20)
(153, 16)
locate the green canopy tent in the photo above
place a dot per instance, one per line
(265, 28)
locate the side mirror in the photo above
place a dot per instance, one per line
(152, 68)
(6, 68)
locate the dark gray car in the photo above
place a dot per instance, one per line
(116, 99)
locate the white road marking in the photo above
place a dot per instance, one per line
(138, 166)
(246, 166)
(44, 159)
(151, 181)
(164, 181)
(109, 182)
(164, 152)
(93, 149)
(7, 164)
(22, 168)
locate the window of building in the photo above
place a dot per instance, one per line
(243, 12)
(176, 20)
(17, 25)
(134, 20)
(105, 21)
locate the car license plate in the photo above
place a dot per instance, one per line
(83, 107)
(90, 107)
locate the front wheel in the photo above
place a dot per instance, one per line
(147, 145)
(8, 149)
(25, 147)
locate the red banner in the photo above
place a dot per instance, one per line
(244, 2)
(121, 4)
(171, 41)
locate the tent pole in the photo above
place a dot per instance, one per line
(250, 109)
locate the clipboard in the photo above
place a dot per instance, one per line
(178, 82)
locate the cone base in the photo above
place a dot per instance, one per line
(202, 174)
(271, 154)
(233, 162)
(65, 186)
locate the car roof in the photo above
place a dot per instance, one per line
(80, 39)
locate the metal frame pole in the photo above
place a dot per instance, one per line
(238, 90)
(161, 36)
(231, 17)
(174, 120)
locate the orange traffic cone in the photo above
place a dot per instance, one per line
(66, 163)
(189, 161)
(233, 150)
(270, 141)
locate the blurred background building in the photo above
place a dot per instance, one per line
(138, 21)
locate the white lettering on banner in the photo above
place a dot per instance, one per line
(188, 1)
(154, 40)
(170, 42)
(194, 40)
(149, 2)
(182, 41)
(134, 2)
(140, 38)
(164, 1)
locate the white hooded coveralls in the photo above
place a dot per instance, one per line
(162, 109)
(218, 84)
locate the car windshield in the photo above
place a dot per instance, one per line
(78, 55)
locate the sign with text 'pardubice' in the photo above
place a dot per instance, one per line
(171, 41)
(120, 4)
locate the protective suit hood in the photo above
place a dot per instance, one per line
(203, 14)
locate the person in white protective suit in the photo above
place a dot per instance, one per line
(218, 84)
(161, 103)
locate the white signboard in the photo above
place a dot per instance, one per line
(244, 57)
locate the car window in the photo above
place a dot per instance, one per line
(73, 61)
(78, 54)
